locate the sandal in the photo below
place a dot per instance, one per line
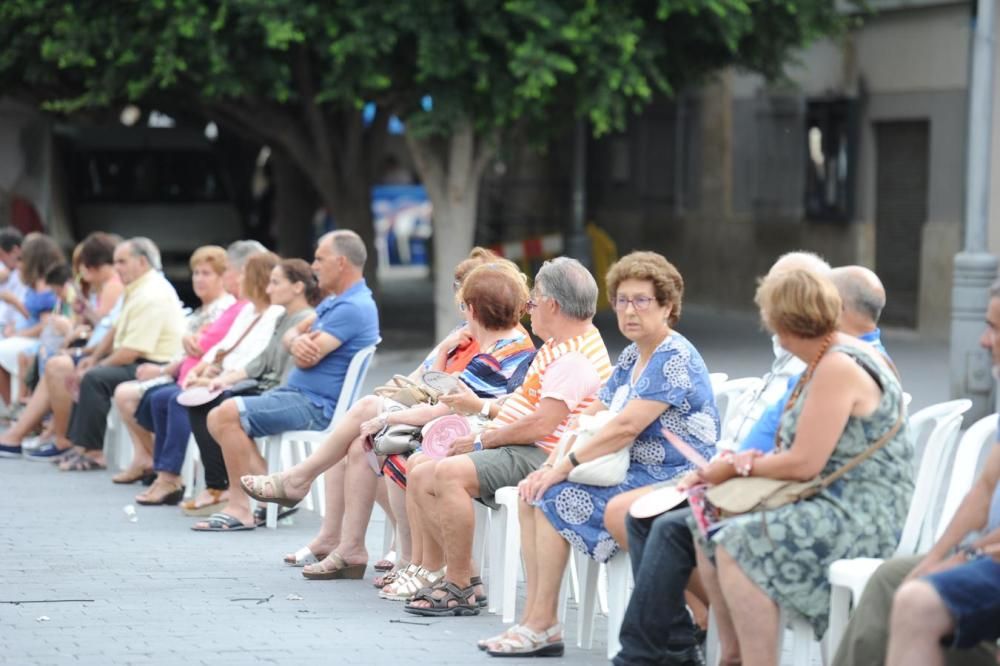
(442, 605)
(174, 494)
(384, 565)
(482, 600)
(190, 507)
(222, 522)
(334, 567)
(523, 642)
(82, 463)
(485, 643)
(390, 577)
(302, 557)
(133, 474)
(402, 577)
(419, 580)
(255, 487)
(260, 515)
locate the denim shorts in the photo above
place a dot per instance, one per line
(279, 410)
(971, 592)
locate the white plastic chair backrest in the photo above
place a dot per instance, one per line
(933, 432)
(354, 379)
(907, 399)
(730, 392)
(717, 379)
(968, 458)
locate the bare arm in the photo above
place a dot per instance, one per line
(973, 511)
(311, 348)
(530, 428)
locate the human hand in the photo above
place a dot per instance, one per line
(463, 401)
(688, 481)
(147, 371)
(717, 472)
(932, 563)
(540, 481)
(373, 426)
(462, 445)
(191, 346)
(460, 338)
(211, 372)
(306, 349)
(84, 365)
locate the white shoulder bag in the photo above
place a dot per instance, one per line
(608, 470)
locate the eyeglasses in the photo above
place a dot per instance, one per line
(461, 306)
(456, 285)
(640, 303)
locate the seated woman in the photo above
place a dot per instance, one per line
(660, 382)
(39, 254)
(93, 261)
(847, 400)
(217, 286)
(493, 299)
(159, 412)
(292, 286)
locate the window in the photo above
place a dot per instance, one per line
(146, 176)
(830, 159)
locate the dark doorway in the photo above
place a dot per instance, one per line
(900, 214)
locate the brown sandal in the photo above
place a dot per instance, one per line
(133, 474)
(190, 507)
(255, 486)
(171, 494)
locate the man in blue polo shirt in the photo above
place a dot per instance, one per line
(322, 349)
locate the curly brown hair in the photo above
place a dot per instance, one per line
(668, 285)
(497, 294)
(39, 253)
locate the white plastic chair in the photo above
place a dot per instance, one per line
(302, 441)
(717, 379)
(968, 461)
(729, 392)
(504, 553)
(941, 423)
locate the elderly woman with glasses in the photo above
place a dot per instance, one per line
(659, 383)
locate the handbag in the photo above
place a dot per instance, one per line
(407, 392)
(607, 470)
(221, 354)
(755, 493)
(396, 439)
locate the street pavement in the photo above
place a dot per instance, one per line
(93, 587)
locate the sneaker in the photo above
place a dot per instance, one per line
(32, 443)
(47, 452)
(8, 451)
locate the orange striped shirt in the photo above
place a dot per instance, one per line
(525, 399)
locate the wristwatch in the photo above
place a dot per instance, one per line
(485, 410)
(477, 445)
(971, 552)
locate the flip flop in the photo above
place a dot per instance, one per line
(222, 522)
(81, 463)
(341, 569)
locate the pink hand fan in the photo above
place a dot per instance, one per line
(441, 432)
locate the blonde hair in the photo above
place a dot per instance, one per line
(212, 255)
(668, 285)
(799, 302)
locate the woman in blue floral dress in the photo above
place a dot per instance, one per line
(660, 382)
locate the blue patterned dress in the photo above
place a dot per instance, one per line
(676, 375)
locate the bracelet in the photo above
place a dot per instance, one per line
(485, 410)
(546, 464)
(572, 459)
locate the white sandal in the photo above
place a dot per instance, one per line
(403, 577)
(302, 557)
(485, 643)
(414, 583)
(524, 642)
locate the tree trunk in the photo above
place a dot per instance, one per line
(451, 170)
(295, 203)
(352, 209)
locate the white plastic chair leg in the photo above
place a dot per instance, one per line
(619, 570)
(840, 610)
(587, 569)
(272, 454)
(511, 563)
(480, 536)
(712, 644)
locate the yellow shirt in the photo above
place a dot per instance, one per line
(151, 321)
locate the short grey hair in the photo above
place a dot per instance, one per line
(239, 251)
(802, 259)
(348, 245)
(570, 284)
(145, 248)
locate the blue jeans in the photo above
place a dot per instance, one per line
(171, 429)
(657, 628)
(279, 410)
(971, 592)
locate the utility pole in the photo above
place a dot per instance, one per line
(577, 241)
(975, 267)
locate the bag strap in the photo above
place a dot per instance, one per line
(223, 353)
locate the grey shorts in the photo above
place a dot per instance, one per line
(504, 466)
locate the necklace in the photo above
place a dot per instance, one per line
(801, 384)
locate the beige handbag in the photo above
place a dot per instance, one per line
(407, 392)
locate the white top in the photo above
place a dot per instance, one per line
(13, 284)
(255, 341)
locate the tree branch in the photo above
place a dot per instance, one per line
(314, 118)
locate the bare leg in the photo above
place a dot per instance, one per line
(57, 371)
(919, 622)
(527, 515)
(299, 478)
(397, 502)
(127, 398)
(729, 652)
(23, 363)
(544, 610)
(360, 484)
(241, 455)
(5, 385)
(456, 483)
(617, 510)
(754, 614)
(30, 418)
(382, 499)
